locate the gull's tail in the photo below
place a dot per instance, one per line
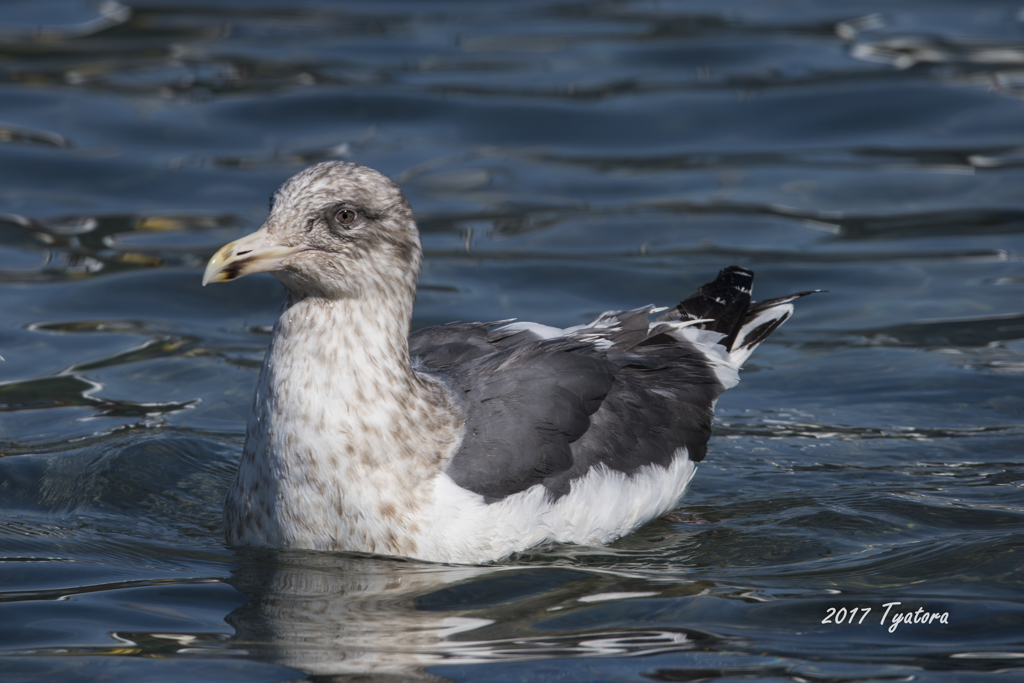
(725, 307)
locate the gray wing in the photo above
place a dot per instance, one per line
(449, 345)
(662, 399)
(547, 411)
(622, 392)
(453, 344)
(525, 407)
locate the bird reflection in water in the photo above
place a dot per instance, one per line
(332, 615)
(339, 615)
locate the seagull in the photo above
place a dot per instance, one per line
(461, 443)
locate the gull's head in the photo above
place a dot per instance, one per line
(335, 230)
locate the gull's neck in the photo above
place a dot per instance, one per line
(343, 431)
(348, 348)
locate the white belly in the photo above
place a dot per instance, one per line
(600, 507)
(452, 524)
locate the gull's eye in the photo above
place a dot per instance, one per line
(345, 216)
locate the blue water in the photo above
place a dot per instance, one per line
(563, 159)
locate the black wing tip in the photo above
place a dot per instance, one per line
(726, 302)
(730, 271)
(737, 277)
(756, 306)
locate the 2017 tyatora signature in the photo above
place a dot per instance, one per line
(856, 615)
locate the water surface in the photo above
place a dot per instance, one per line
(564, 159)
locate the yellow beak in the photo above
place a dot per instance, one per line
(255, 253)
